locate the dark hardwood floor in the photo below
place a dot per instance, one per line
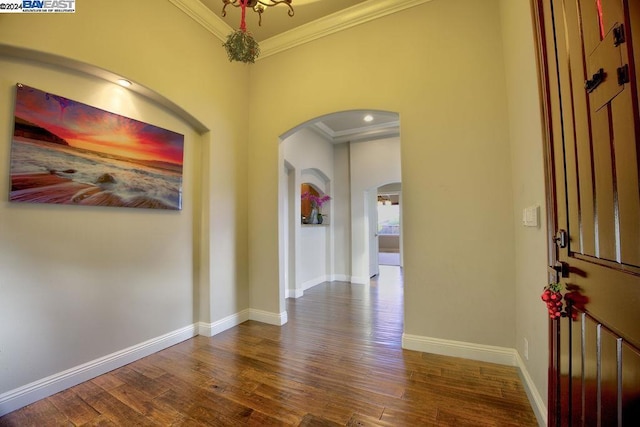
(338, 362)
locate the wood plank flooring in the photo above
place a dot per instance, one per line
(337, 362)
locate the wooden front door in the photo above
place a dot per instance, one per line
(589, 51)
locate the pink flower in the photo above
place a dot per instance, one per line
(316, 201)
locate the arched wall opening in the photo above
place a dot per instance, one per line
(348, 165)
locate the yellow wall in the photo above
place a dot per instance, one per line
(81, 283)
(440, 66)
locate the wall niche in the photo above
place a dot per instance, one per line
(312, 205)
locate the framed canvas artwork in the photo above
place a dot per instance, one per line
(67, 152)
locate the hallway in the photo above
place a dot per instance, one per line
(388, 258)
(337, 362)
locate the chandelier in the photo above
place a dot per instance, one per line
(258, 6)
(240, 45)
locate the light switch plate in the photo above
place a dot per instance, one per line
(530, 216)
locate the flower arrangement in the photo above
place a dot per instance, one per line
(316, 201)
(555, 300)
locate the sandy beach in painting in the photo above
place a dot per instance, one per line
(44, 172)
(50, 188)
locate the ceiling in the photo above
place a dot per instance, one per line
(338, 127)
(276, 20)
(350, 126)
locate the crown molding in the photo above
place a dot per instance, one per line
(347, 18)
(383, 130)
(204, 16)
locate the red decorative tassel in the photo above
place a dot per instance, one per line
(243, 24)
(600, 18)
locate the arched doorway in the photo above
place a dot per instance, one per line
(349, 156)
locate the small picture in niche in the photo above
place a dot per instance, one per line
(67, 152)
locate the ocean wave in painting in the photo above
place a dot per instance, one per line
(100, 179)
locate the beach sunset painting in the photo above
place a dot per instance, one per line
(66, 152)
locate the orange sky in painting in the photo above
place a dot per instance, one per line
(90, 128)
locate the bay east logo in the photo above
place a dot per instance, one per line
(49, 6)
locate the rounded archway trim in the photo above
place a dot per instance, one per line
(92, 70)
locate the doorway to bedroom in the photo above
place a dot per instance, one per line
(389, 226)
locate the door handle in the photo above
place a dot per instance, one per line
(596, 79)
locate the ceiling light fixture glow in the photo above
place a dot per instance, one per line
(124, 83)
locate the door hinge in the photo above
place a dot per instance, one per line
(618, 35)
(623, 74)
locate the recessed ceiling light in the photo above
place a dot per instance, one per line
(124, 83)
(368, 118)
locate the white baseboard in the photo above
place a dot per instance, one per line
(268, 317)
(211, 329)
(484, 353)
(314, 282)
(466, 350)
(360, 280)
(537, 402)
(297, 293)
(27, 394)
(294, 293)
